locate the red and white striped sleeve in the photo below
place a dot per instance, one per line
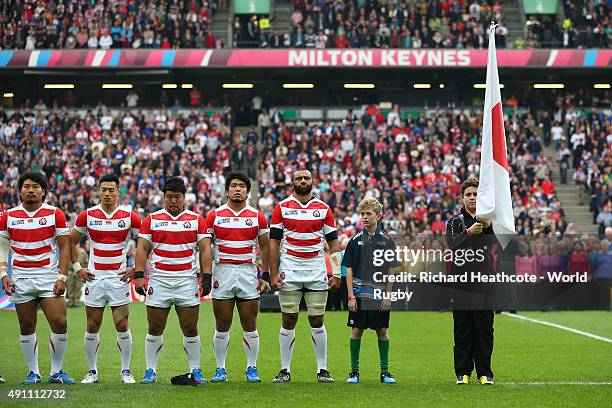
(329, 225)
(4, 226)
(277, 217)
(263, 224)
(202, 229)
(80, 224)
(145, 229)
(136, 223)
(210, 223)
(61, 225)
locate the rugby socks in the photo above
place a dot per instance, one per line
(92, 343)
(250, 343)
(124, 343)
(220, 345)
(29, 347)
(57, 349)
(286, 340)
(319, 343)
(153, 346)
(383, 351)
(192, 349)
(355, 348)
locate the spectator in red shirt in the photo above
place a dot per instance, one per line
(579, 260)
(438, 227)
(210, 40)
(195, 97)
(547, 186)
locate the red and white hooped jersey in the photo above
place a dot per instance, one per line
(33, 239)
(235, 234)
(174, 241)
(304, 228)
(108, 238)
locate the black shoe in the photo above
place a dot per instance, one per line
(283, 376)
(324, 377)
(387, 378)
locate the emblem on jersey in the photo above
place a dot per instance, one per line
(291, 212)
(18, 222)
(150, 291)
(30, 220)
(42, 221)
(248, 222)
(304, 211)
(109, 222)
(121, 224)
(92, 223)
(223, 221)
(187, 225)
(86, 291)
(282, 275)
(161, 224)
(216, 284)
(236, 219)
(316, 213)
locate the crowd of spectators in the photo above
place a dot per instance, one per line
(380, 24)
(106, 24)
(415, 165)
(585, 24)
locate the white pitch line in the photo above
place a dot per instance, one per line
(558, 326)
(555, 383)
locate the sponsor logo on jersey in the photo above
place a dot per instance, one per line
(121, 224)
(187, 225)
(92, 223)
(30, 220)
(291, 212)
(161, 224)
(42, 221)
(109, 222)
(223, 221)
(249, 222)
(18, 222)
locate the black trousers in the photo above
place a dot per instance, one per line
(473, 331)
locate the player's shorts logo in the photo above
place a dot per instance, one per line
(42, 221)
(187, 225)
(150, 291)
(316, 213)
(325, 279)
(86, 291)
(282, 275)
(121, 224)
(127, 294)
(216, 284)
(249, 222)
(197, 294)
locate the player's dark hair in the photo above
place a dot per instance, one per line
(175, 184)
(38, 178)
(238, 175)
(109, 178)
(471, 182)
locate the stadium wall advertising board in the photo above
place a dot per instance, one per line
(299, 58)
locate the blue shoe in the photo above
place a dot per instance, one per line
(251, 375)
(61, 378)
(149, 376)
(220, 375)
(387, 378)
(198, 377)
(353, 378)
(32, 378)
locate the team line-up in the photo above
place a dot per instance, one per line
(175, 241)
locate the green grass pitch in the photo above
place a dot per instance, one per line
(421, 360)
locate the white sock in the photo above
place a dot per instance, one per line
(124, 343)
(153, 346)
(250, 343)
(29, 347)
(92, 343)
(287, 340)
(220, 345)
(192, 348)
(319, 343)
(57, 348)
